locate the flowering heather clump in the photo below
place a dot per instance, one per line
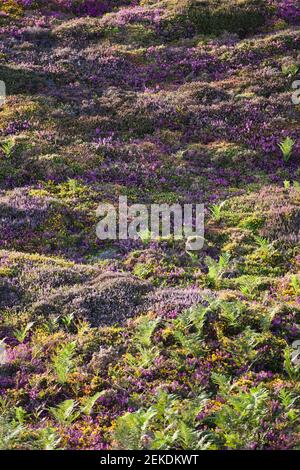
(289, 10)
(78, 7)
(143, 344)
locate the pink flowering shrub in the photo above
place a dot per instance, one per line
(79, 7)
(289, 10)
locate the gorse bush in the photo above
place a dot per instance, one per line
(10, 9)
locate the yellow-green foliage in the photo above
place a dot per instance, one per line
(12, 8)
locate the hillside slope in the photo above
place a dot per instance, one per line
(142, 344)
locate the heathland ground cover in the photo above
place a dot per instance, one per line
(141, 344)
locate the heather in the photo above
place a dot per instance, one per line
(142, 344)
